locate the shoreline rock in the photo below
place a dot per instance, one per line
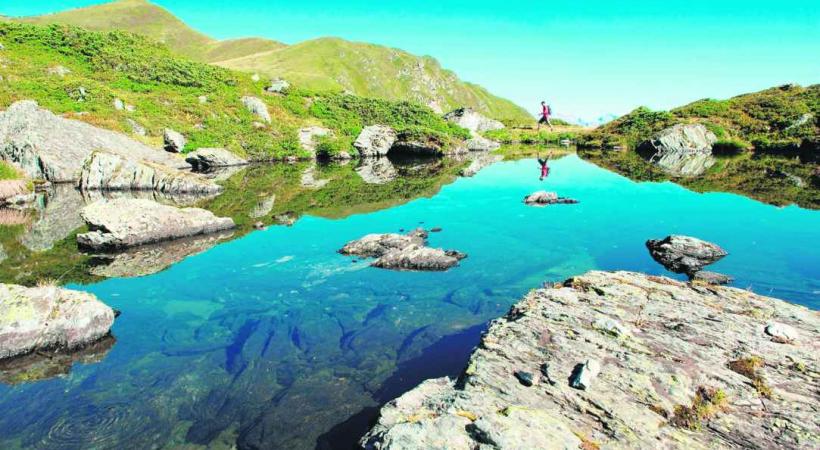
(205, 159)
(680, 379)
(681, 150)
(403, 252)
(49, 318)
(121, 223)
(375, 140)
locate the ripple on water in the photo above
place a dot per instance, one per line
(116, 425)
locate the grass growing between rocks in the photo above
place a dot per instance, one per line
(750, 367)
(707, 404)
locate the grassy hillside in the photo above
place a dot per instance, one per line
(321, 64)
(780, 120)
(165, 89)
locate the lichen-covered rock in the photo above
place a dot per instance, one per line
(257, 107)
(681, 150)
(684, 254)
(46, 146)
(50, 317)
(403, 252)
(688, 341)
(204, 159)
(121, 223)
(544, 198)
(375, 140)
(108, 171)
(173, 141)
(472, 120)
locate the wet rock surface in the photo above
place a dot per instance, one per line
(544, 198)
(403, 252)
(647, 389)
(47, 146)
(45, 318)
(681, 150)
(684, 254)
(122, 223)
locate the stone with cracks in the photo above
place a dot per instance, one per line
(210, 158)
(403, 252)
(681, 150)
(684, 254)
(375, 140)
(471, 120)
(544, 198)
(173, 141)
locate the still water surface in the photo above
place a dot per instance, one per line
(274, 340)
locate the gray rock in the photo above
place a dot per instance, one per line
(524, 377)
(58, 217)
(59, 71)
(610, 326)
(684, 254)
(122, 223)
(481, 144)
(377, 171)
(412, 144)
(681, 150)
(173, 141)
(403, 252)
(478, 163)
(111, 172)
(472, 120)
(202, 99)
(644, 379)
(136, 128)
(42, 318)
(204, 159)
(46, 146)
(278, 86)
(712, 278)
(308, 136)
(782, 333)
(544, 198)
(257, 107)
(583, 374)
(375, 140)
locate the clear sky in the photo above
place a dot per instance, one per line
(587, 58)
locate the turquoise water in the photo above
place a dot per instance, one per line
(274, 340)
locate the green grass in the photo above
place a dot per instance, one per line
(7, 172)
(319, 65)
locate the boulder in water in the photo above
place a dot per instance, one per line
(403, 252)
(544, 198)
(681, 150)
(48, 318)
(122, 223)
(375, 140)
(684, 254)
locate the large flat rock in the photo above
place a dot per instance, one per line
(54, 148)
(122, 223)
(625, 360)
(48, 318)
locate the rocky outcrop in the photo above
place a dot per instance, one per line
(411, 143)
(46, 146)
(681, 150)
(544, 198)
(173, 141)
(714, 278)
(122, 223)
(377, 171)
(205, 159)
(309, 135)
(479, 163)
(481, 144)
(111, 172)
(375, 140)
(684, 254)
(46, 318)
(277, 86)
(257, 107)
(472, 120)
(624, 360)
(403, 252)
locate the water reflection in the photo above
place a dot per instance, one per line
(44, 365)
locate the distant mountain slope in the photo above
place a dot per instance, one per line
(320, 64)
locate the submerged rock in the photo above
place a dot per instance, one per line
(121, 223)
(645, 385)
(472, 120)
(108, 171)
(403, 252)
(684, 254)
(173, 142)
(681, 150)
(375, 140)
(47, 318)
(46, 146)
(204, 159)
(257, 107)
(544, 198)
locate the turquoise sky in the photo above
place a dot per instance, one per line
(587, 58)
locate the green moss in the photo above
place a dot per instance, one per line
(750, 367)
(708, 402)
(8, 172)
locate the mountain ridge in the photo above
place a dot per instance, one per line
(359, 68)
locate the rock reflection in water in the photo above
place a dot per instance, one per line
(377, 170)
(44, 365)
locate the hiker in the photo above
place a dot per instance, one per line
(545, 116)
(545, 169)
